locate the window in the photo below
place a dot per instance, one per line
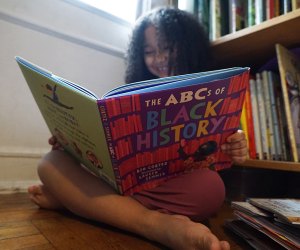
(124, 9)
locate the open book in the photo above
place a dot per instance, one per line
(138, 135)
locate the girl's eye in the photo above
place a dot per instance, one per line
(149, 52)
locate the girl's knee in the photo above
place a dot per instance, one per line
(207, 195)
(51, 161)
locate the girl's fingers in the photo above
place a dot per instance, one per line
(234, 145)
(238, 136)
(52, 140)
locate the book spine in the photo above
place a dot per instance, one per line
(244, 126)
(236, 15)
(286, 152)
(109, 132)
(259, 11)
(215, 19)
(270, 9)
(262, 117)
(251, 13)
(250, 126)
(255, 115)
(274, 112)
(203, 14)
(295, 4)
(269, 120)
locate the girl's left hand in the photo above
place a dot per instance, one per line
(236, 147)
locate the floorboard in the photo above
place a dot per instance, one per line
(24, 226)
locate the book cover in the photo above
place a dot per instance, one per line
(287, 210)
(139, 135)
(289, 68)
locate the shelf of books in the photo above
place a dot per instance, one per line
(271, 114)
(254, 45)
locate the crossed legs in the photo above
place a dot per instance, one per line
(65, 185)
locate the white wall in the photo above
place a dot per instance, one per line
(72, 42)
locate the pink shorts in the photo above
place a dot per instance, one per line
(198, 195)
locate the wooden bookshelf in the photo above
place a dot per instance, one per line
(273, 165)
(253, 47)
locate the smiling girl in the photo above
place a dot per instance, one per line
(165, 42)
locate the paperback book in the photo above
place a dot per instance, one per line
(139, 135)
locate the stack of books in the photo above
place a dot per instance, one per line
(267, 223)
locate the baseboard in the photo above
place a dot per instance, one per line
(18, 172)
(16, 186)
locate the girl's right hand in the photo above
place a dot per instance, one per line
(54, 143)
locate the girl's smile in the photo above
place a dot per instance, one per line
(156, 57)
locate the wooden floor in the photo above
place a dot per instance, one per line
(24, 226)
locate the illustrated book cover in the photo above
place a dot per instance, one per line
(138, 135)
(289, 68)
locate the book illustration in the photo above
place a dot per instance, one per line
(201, 158)
(93, 159)
(54, 96)
(141, 134)
(289, 68)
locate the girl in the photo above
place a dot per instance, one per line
(165, 42)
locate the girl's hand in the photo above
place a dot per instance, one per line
(236, 147)
(54, 143)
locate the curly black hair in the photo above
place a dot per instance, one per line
(180, 31)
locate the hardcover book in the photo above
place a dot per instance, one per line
(289, 68)
(139, 135)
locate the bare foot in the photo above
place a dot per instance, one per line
(40, 195)
(178, 232)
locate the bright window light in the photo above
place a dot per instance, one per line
(125, 9)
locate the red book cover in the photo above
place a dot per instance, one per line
(174, 131)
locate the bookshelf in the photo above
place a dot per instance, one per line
(253, 47)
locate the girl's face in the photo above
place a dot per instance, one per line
(156, 55)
